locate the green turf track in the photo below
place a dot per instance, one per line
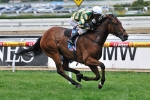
(48, 85)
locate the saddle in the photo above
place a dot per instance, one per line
(68, 32)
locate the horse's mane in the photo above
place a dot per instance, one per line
(112, 15)
(100, 22)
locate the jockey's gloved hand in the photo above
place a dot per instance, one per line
(87, 25)
(93, 21)
(104, 16)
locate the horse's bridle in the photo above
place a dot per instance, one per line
(113, 24)
(116, 29)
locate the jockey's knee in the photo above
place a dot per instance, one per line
(82, 31)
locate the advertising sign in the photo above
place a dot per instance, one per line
(123, 58)
(7, 54)
(8, 46)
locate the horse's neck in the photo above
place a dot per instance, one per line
(101, 38)
(102, 32)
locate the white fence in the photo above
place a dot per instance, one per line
(44, 24)
(34, 22)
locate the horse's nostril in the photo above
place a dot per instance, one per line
(125, 37)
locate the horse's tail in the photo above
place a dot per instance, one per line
(35, 49)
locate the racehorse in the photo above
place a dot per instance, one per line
(88, 49)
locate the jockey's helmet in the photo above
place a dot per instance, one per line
(97, 10)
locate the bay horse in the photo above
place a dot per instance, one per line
(88, 49)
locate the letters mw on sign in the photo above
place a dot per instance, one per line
(123, 52)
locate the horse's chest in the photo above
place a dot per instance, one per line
(95, 51)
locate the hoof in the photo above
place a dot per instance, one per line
(79, 77)
(100, 86)
(78, 86)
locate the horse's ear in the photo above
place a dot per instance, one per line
(107, 15)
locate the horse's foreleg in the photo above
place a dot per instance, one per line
(100, 85)
(95, 71)
(93, 63)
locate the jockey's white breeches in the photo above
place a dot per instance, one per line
(81, 31)
(74, 23)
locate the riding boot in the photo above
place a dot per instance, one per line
(73, 37)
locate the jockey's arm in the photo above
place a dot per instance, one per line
(102, 17)
(83, 19)
(94, 21)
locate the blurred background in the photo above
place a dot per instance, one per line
(117, 7)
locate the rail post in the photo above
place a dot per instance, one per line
(14, 57)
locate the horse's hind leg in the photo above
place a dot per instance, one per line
(60, 70)
(67, 68)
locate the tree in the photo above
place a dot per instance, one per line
(139, 4)
(136, 5)
(118, 7)
(4, 1)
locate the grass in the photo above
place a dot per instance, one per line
(48, 85)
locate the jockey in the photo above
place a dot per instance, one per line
(78, 21)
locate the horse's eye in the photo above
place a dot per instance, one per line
(115, 23)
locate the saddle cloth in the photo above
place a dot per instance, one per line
(71, 47)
